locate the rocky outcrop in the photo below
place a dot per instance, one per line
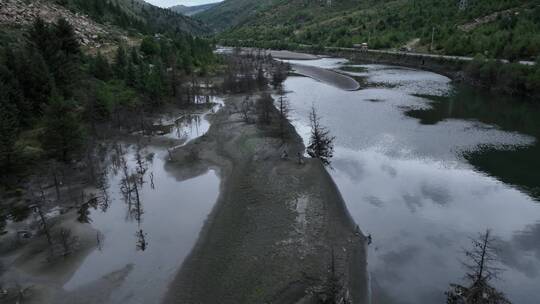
(22, 13)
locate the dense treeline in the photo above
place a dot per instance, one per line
(52, 95)
(509, 32)
(511, 78)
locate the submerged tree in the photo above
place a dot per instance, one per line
(321, 144)
(481, 269)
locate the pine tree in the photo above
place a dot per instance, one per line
(261, 78)
(36, 80)
(66, 38)
(264, 108)
(63, 132)
(135, 57)
(9, 127)
(14, 93)
(39, 35)
(100, 67)
(321, 144)
(154, 84)
(120, 62)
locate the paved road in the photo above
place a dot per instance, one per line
(448, 57)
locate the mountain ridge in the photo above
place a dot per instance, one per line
(192, 10)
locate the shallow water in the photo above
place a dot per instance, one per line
(148, 237)
(421, 177)
(187, 127)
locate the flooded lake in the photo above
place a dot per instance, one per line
(423, 166)
(147, 234)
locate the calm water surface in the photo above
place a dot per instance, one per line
(424, 165)
(148, 238)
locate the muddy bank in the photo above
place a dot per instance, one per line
(28, 268)
(338, 80)
(283, 54)
(279, 232)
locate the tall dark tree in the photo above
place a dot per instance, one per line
(14, 95)
(63, 132)
(120, 62)
(63, 57)
(40, 36)
(101, 68)
(262, 82)
(321, 144)
(66, 38)
(9, 127)
(36, 80)
(265, 105)
(284, 109)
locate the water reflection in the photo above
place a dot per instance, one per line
(518, 166)
(189, 126)
(147, 220)
(411, 186)
(151, 228)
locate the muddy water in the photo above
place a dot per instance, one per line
(424, 165)
(148, 237)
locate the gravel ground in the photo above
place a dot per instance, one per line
(277, 228)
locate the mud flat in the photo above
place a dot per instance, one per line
(280, 231)
(338, 80)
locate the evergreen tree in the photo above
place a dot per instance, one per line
(131, 75)
(100, 67)
(39, 35)
(66, 38)
(321, 144)
(9, 126)
(120, 62)
(63, 132)
(14, 95)
(261, 79)
(154, 84)
(265, 105)
(135, 57)
(149, 47)
(64, 58)
(36, 80)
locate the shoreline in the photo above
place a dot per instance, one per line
(277, 229)
(330, 77)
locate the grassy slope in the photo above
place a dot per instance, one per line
(387, 23)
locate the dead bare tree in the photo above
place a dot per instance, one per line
(481, 269)
(67, 241)
(142, 244)
(245, 109)
(38, 209)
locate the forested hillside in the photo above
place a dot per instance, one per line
(55, 95)
(496, 28)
